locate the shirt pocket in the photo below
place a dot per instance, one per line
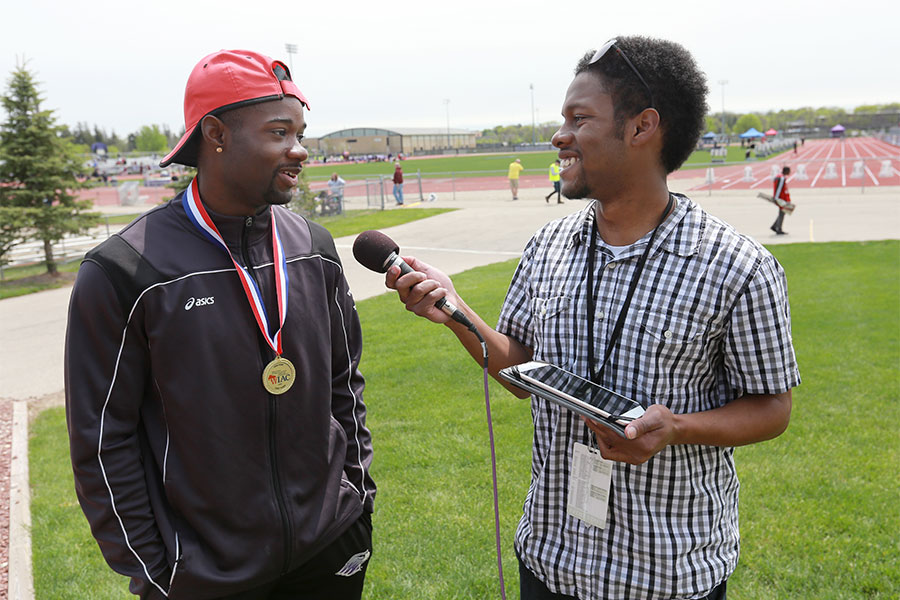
(674, 343)
(553, 334)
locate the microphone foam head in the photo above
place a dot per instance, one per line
(372, 248)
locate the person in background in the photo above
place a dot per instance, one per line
(647, 294)
(515, 168)
(554, 181)
(398, 183)
(217, 429)
(336, 189)
(780, 190)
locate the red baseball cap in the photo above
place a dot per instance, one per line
(223, 81)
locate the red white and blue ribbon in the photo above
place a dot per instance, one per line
(197, 214)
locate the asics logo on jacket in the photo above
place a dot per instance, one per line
(198, 302)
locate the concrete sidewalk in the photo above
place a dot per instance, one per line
(489, 227)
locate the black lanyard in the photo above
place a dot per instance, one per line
(592, 301)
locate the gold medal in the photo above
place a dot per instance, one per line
(278, 376)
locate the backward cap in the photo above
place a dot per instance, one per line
(223, 81)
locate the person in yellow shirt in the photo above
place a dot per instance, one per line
(554, 180)
(515, 168)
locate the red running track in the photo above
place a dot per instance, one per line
(109, 196)
(828, 163)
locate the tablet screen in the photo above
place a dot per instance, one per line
(579, 389)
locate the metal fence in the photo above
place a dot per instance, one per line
(375, 192)
(69, 248)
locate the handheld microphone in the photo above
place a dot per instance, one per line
(377, 252)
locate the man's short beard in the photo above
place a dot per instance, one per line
(271, 196)
(577, 191)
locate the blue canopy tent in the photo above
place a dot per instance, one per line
(837, 131)
(709, 135)
(753, 132)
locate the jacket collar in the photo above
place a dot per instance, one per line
(232, 228)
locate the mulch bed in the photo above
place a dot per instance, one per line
(6, 417)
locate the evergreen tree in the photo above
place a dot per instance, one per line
(82, 134)
(38, 170)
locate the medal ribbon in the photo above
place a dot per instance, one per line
(197, 214)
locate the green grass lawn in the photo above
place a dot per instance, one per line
(702, 158)
(28, 279)
(819, 505)
(352, 222)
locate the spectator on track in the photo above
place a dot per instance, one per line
(515, 168)
(781, 191)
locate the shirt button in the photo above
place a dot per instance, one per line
(611, 266)
(667, 334)
(543, 311)
(600, 315)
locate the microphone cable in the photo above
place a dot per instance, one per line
(377, 252)
(487, 406)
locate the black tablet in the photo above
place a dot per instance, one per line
(575, 393)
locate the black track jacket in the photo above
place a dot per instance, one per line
(196, 481)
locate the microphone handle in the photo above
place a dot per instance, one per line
(394, 260)
(454, 313)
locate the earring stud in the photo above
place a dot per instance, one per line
(219, 149)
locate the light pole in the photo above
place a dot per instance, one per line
(533, 139)
(447, 106)
(291, 49)
(722, 82)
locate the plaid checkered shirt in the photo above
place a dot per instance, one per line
(708, 323)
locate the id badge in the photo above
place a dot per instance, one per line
(589, 483)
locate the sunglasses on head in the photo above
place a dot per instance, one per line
(612, 44)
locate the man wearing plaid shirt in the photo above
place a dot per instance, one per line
(702, 340)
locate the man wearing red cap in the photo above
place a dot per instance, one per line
(216, 420)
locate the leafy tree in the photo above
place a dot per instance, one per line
(181, 182)
(517, 134)
(39, 168)
(747, 121)
(714, 123)
(151, 139)
(81, 149)
(304, 200)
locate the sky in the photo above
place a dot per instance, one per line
(472, 64)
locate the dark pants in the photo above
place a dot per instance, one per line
(532, 588)
(317, 578)
(776, 226)
(556, 188)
